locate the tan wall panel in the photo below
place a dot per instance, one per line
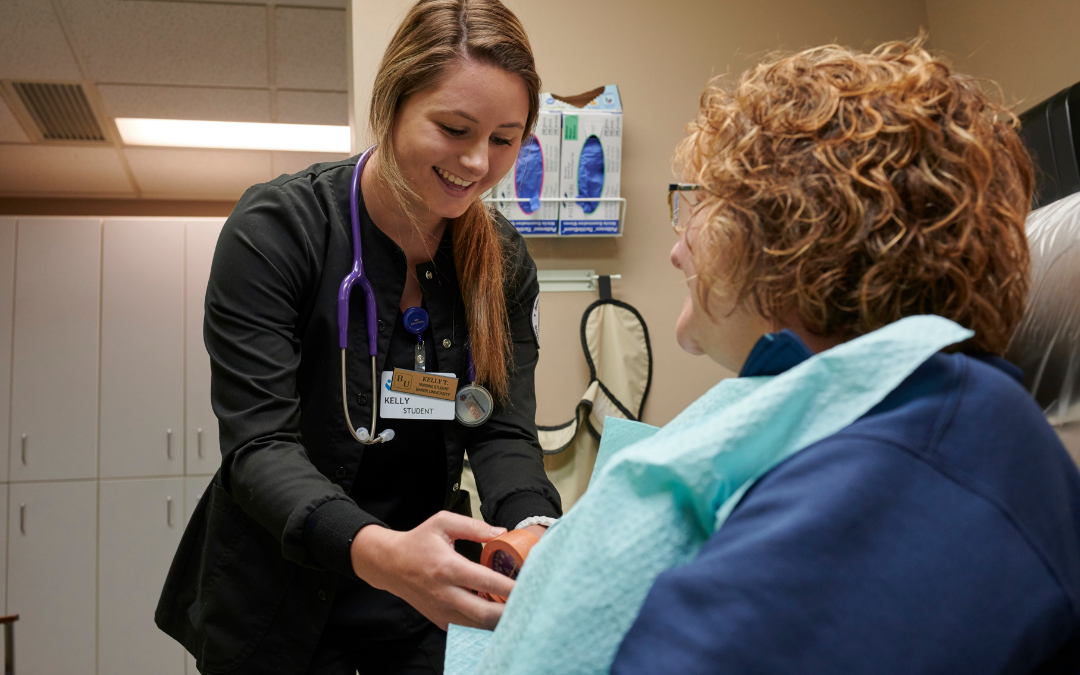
(1028, 46)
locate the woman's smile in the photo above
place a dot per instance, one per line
(455, 185)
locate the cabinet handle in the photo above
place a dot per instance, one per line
(24, 449)
(168, 442)
(22, 517)
(168, 511)
(198, 441)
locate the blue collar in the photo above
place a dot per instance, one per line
(775, 353)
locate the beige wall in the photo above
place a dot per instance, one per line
(1028, 46)
(660, 54)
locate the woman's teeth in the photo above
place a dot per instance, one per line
(451, 178)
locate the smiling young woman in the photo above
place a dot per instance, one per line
(312, 552)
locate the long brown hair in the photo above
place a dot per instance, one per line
(434, 34)
(862, 188)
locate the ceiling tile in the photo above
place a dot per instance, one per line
(32, 45)
(304, 32)
(51, 170)
(312, 107)
(197, 174)
(186, 103)
(183, 43)
(295, 162)
(10, 131)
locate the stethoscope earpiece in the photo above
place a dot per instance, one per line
(384, 436)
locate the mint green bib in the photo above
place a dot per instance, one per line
(656, 495)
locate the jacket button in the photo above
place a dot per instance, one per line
(322, 595)
(363, 399)
(427, 274)
(446, 343)
(341, 472)
(381, 325)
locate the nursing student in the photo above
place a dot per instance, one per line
(322, 547)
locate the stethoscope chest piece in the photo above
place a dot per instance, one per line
(473, 405)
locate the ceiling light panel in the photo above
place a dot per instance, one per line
(233, 135)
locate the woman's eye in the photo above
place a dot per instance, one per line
(453, 131)
(501, 141)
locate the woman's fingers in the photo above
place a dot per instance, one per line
(456, 527)
(473, 611)
(469, 575)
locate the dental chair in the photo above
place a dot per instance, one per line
(1046, 345)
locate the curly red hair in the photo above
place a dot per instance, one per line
(857, 189)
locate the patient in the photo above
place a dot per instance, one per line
(876, 493)
(836, 193)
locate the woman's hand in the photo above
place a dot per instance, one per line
(422, 568)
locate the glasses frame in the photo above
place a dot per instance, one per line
(673, 201)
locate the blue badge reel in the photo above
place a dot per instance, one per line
(416, 322)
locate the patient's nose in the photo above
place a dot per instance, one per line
(675, 254)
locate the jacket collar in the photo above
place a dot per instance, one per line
(776, 353)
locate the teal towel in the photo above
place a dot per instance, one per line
(657, 495)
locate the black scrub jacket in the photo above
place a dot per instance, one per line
(256, 573)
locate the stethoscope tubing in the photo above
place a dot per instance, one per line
(357, 276)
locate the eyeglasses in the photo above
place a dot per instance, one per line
(685, 195)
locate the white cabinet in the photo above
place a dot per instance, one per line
(142, 348)
(104, 407)
(141, 522)
(203, 453)
(7, 297)
(51, 575)
(54, 405)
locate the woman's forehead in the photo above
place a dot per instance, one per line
(479, 93)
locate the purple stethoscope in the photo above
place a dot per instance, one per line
(473, 403)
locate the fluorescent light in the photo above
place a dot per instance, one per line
(233, 135)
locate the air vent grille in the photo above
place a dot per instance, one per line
(60, 111)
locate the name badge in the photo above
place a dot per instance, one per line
(397, 405)
(424, 383)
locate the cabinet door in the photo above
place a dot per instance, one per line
(203, 453)
(51, 573)
(142, 348)
(7, 299)
(139, 530)
(54, 403)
